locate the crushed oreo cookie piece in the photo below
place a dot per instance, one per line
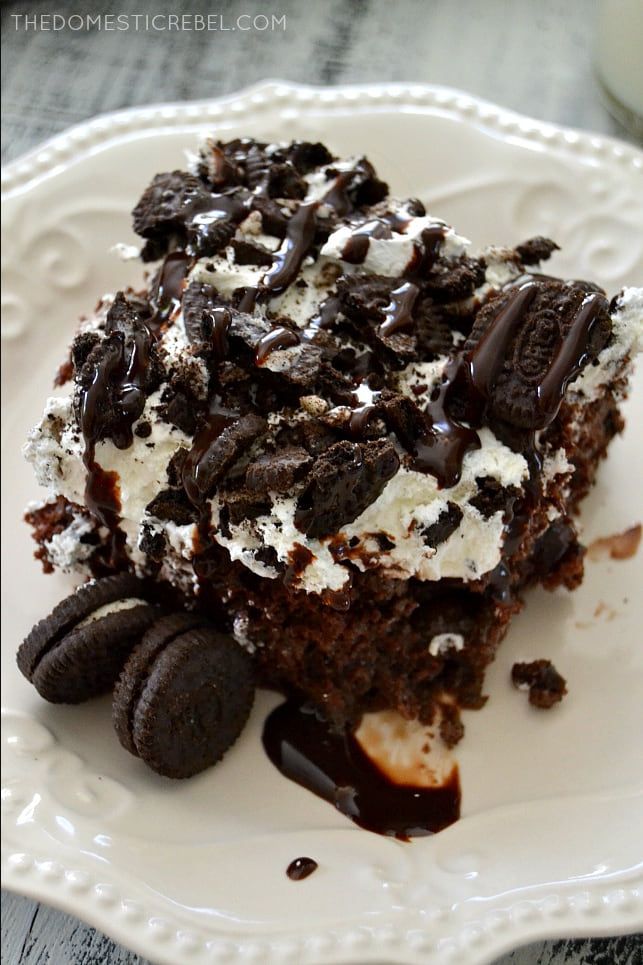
(446, 524)
(535, 250)
(492, 496)
(246, 253)
(402, 417)
(278, 471)
(81, 348)
(363, 299)
(182, 411)
(127, 314)
(344, 481)
(172, 505)
(454, 279)
(216, 448)
(153, 543)
(284, 181)
(198, 298)
(308, 155)
(240, 504)
(216, 166)
(168, 203)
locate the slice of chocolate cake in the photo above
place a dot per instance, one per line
(330, 424)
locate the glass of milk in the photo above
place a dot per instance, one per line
(619, 60)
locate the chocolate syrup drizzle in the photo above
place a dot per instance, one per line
(586, 286)
(356, 248)
(248, 299)
(220, 321)
(170, 287)
(361, 417)
(332, 765)
(194, 473)
(300, 235)
(119, 376)
(426, 254)
(570, 357)
(398, 314)
(278, 338)
(325, 317)
(486, 359)
(337, 195)
(441, 450)
(218, 207)
(440, 447)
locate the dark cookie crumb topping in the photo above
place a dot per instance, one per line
(510, 360)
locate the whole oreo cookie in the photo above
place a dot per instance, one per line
(183, 696)
(77, 652)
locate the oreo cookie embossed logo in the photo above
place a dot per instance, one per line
(535, 346)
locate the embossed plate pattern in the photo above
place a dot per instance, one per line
(550, 841)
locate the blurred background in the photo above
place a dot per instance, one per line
(538, 58)
(534, 57)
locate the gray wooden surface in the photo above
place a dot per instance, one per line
(534, 57)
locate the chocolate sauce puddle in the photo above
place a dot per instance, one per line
(333, 766)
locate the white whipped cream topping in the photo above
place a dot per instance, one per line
(177, 356)
(410, 502)
(141, 469)
(55, 448)
(392, 256)
(627, 339)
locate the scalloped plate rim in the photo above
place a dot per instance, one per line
(106, 124)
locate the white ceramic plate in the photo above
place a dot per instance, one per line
(550, 841)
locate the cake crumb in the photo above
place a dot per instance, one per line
(619, 546)
(602, 609)
(546, 686)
